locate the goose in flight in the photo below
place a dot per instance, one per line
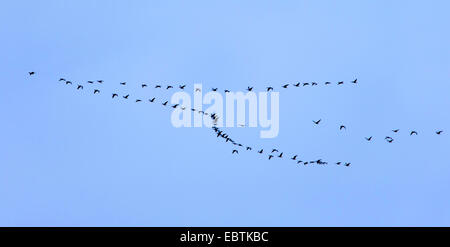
(214, 89)
(270, 157)
(175, 106)
(314, 84)
(355, 81)
(338, 163)
(100, 81)
(269, 89)
(235, 152)
(348, 164)
(114, 95)
(123, 83)
(62, 79)
(126, 96)
(327, 83)
(249, 89)
(182, 87)
(261, 151)
(90, 82)
(396, 130)
(198, 90)
(68, 82)
(165, 103)
(249, 148)
(96, 91)
(143, 85)
(151, 100)
(274, 150)
(317, 122)
(158, 86)
(169, 87)
(79, 87)
(342, 127)
(138, 100)
(285, 86)
(340, 83)
(369, 138)
(280, 156)
(297, 85)
(439, 132)
(305, 84)
(31, 73)
(413, 133)
(294, 158)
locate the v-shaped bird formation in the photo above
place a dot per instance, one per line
(270, 153)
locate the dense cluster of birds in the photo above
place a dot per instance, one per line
(272, 153)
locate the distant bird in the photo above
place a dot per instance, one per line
(413, 133)
(182, 87)
(396, 130)
(114, 95)
(294, 158)
(235, 152)
(123, 83)
(317, 122)
(439, 132)
(143, 85)
(126, 96)
(79, 87)
(138, 100)
(390, 140)
(314, 84)
(342, 127)
(297, 85)
(355, 81)
(270, 157)
(305, 163)
(249, 89)
(269, 89)
(96, 91)
(261, 151)
(62, 79)
(227, 91)
(100, 81)
(305, 84)
(169, 87)
(158, 86)
(249, 148)
(90, 82)
(68, 82)
(165, 103)
(348, 164)
(327, 83)
(152, 100)
(198, 90)
(285, 86)
(31, 73)
(280, 156)
(369, 138)
(175, 106)
(338, 163)
(214, 89)
(274, 150)
(340, 83)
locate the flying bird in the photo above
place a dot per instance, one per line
(249, 148)
(280, 156)
(114, 95)
(413, 133)
(249, 89)
(327, 83)
(96, 91)
(152, 100)
(126, 96)
(269, 89)
(62, 79)
(100, 81)
(227, 91)
(235, 152)
(79, 87)
(158, 86)
(294, 158)
(355, 81)
(175, 106)
(31, 73)
(168, 87)
(297, 85)
(143, 85)
(348, 164)
(138, 100)
(314, 84)
(369, 138)
(165, 103)
(396, 130)
(342, 127)
(274, 150)
(123, 83)
(182, 87)
(198, 90)
(305, 84)
(270, 157)
(317, 122)
(214, 89)
(68, 82)
(439, 132)
(340, 83)
(285, 86)
(90, 82)
(261, 151)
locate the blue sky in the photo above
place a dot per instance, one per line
(69, 158)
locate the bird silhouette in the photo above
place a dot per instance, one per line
(369, 138)
(348, 164)
(68, 82)
(317, 122)
(314, 84)
(96, 91)
(342, 127)
(143, 85)
(31, 73)
(227, 91)
(138, 100)
(90, 82)
(152, 100)
(158, 86)
(280, 156)
(285, 86)
(261, 151)
(165, 103)
(249, 148)
(114, 95)
(305, 84)
(274, 150)
(338, 163)
(439, 132)
(249, 89)
(270, 157)
(214, 89)
(297, 85)
(396, 130)
(62, 79)
(182, 87)
(355, 81)
(340, 83)
(175, 106)
(235, 152)
(294, 158)
(169, 87)
(126, 96)
(198, 90)
(100, 81)
(123, 83)
(327, 83)
(269, 89)
(413, 133)
(79, 87)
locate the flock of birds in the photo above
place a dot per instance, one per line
(271, 154)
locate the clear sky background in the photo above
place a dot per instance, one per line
(69, 158)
